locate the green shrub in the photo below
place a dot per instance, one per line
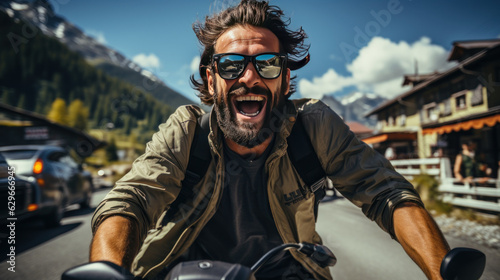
(427, 187)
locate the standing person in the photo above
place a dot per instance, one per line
(466, 167)
(240, 208)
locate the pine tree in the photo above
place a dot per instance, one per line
(58, 112)
(78, 115)
(127, 124)
(21, 103)
(34, 72)
(111, 150)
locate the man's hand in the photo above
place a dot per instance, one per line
(420, 237)
(116, 240)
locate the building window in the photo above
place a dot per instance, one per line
(390, 121)
(446, 108)
(460, 100)
(477, 96)
(431, 112)
(402, 116)
(402, 119)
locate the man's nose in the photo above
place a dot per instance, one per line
(250, 77)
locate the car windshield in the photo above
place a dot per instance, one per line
(19, 154)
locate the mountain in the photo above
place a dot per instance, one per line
(334, 104)
(40, 13)
(36, 70)
(354, 106)
(147, 81)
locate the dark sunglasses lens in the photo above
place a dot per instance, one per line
(268, 65)
(230, 66)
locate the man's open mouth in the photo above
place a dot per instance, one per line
(249, 105)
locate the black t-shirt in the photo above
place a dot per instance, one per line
(243, 229)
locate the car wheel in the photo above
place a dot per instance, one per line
(88, 196)
(53, 219)
(86, 201)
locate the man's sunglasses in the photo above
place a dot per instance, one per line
(231, 65)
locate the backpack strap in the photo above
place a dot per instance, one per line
(199, 160)
(199, 156)
(306, 162)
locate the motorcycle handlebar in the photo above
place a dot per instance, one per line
(458, 264)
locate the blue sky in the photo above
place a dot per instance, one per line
(356, 46)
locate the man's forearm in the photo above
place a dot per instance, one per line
(420, 237)
(116, 240)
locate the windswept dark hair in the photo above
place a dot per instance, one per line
(248, 12)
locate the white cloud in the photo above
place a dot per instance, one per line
(383, 60)
(380, 67)
(388, 89)
(330, 82)
(98, 35)
(150, 61)
(195, 63)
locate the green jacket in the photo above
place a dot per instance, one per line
(145, 193)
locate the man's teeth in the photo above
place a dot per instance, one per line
(249, 98)
(250, 115)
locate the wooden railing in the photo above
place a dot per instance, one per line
(416, 166)
(479, 194)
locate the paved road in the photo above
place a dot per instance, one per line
(362, 249)
(46, 253)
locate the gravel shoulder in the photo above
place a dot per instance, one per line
(474, 232)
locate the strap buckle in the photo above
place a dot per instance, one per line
(321, 183)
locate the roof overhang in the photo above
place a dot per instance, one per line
(460, 47)
(458, 68)
(477, 121)
(390, 136)
(28, 119)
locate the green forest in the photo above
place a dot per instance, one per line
(36, 70)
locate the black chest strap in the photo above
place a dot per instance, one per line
(306, 162)
(199, 155)
(199, 160)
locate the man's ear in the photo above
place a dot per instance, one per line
(210, 81)
(287, 92)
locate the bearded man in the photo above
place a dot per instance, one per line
(238, 211)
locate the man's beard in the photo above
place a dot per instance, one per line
(242, 133)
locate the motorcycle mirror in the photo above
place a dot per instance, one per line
(463, 264)
(101, 270)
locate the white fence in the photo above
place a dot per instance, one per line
(483, 195)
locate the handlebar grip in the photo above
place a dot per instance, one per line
(100, 270)
(463, 264)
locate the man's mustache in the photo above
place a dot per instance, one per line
(238, 89)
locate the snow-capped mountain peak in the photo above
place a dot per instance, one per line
(353, 106)
(353, 97)
(41, 14)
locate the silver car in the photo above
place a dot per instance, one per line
(61, 180)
